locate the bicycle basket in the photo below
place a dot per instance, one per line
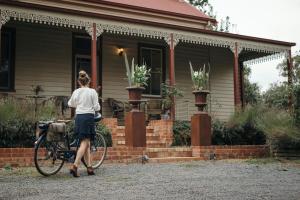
(56, 132)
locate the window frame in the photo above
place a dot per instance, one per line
(12, 56)
(163, 67)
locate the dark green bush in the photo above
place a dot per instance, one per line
(106, 134)
(182, 133)
(17, 133)
(297, 106)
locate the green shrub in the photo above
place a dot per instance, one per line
(18, 121)
(182, 133)
(297, 105)
(280, 129)
(106, 134)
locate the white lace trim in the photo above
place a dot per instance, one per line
(133, 30)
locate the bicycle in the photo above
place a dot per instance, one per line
(50, 156)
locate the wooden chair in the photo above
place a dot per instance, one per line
(153, 109)
(118, 107)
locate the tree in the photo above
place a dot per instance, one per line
(208, 9)
(200, 4)
(251, 90)
(295, 72)
(278, 94)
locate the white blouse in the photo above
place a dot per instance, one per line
(85, 100)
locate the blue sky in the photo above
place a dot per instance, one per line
(273, 19)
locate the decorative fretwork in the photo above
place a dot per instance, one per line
(25, 16)
(28, 15)
(239, 49)
(4, 19)
(89, 30)
(204, 40)
(273, 56)
(128, 29)
(260, 47)
(168, 40)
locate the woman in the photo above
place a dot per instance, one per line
(85, 100)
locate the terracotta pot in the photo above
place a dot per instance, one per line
(135, 95)
(200, 98)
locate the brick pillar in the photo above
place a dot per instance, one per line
(201, 129)
(135, 129)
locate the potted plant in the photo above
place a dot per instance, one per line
(168, 93)
(200, 80)
(137, 78)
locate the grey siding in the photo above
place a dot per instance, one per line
(221, 100)
(43, 57)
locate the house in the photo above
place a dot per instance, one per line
(47, 42)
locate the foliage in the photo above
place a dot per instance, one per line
(279, 127)
(200, 78)
(297, 105)
(105, 133)
(169, 92)
(17, 121)
(295, 71)
(208, 9)
(277, 96)
(251, 90)
(240, 130)
(182, 133)
(200, 4)
(137, 75)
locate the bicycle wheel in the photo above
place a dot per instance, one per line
(98, 151)
(46, 158)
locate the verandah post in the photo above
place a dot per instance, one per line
(290, 80)
(172, 72)
(94, 57)
(237, 91)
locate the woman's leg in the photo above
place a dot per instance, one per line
(87, 154)
(81, 151)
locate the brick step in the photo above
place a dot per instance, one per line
(148, 137)
(170, 149)
(152, 138)
(158, 145)
(122, 134)
(169, 154)
(173, 159)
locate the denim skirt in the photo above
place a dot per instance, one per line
(85, 126)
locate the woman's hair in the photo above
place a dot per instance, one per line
(83, 78)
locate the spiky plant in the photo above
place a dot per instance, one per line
(137, 76)
(200, 78)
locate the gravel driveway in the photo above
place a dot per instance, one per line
(193, 180)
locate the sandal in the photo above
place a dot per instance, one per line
(74, 172)
(90, 171)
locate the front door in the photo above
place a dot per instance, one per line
(82, 62)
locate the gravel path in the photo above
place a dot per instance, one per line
(194, 180)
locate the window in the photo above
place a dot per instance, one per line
(7, 60)
(153, 57)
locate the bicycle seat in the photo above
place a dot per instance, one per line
(97, 117)
(44, 124)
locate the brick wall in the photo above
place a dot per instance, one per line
(231, 152)
(20, 157)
